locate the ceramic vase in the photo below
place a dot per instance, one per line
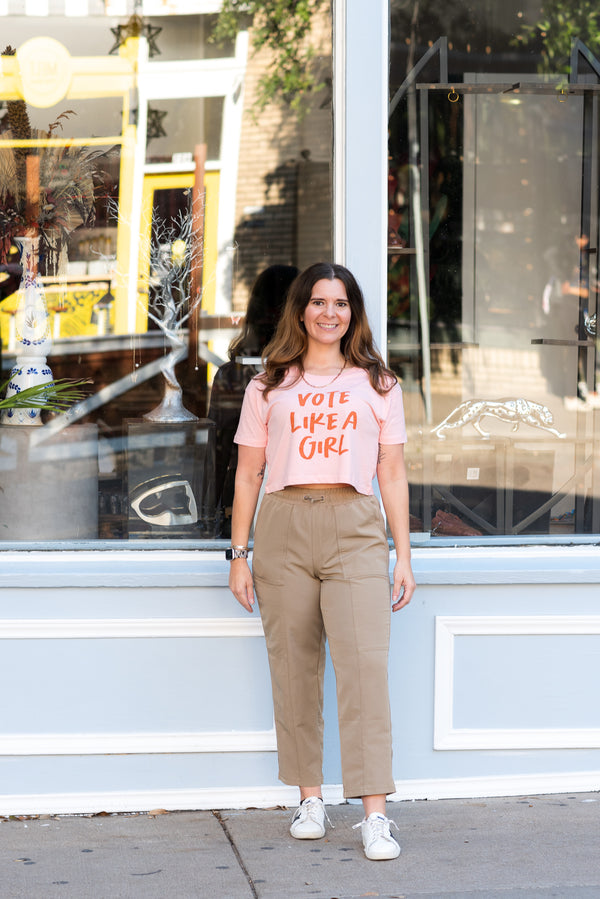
(33, 339)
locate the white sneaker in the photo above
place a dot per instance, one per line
(308, 822)
(378, 842)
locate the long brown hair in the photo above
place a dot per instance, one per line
(290, 341)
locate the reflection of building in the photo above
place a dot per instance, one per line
(286, 164)
(504, 634)
(202, 96)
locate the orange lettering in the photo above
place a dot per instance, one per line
(344, 397)
(318, 399)
(330, 446)
(316, 418)
(293, 426)
(307, 448)
(352, 420)
(303, 399)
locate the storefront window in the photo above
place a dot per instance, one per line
(492, 266)
(156, 188)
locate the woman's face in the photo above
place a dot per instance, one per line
(327, 315)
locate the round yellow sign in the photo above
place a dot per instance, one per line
(46, 71)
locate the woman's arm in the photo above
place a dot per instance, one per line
(393, 484)
(248, 479)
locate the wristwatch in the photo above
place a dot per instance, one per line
(236, 552)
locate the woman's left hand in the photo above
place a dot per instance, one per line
(404, 585)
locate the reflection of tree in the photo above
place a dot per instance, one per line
(293, 224)
(282, 26)
(426, 17)
(466, 24)
(560, 23)
(174, 254)
(283, 208)
(267, 236)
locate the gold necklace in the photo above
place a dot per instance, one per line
(321, 386)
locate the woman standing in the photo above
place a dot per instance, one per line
(323, 419)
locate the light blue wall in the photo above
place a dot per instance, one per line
(64, 692)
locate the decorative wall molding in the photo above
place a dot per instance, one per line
(101, 566)
(137, 743)
(507, 564)
(538, 784)
(447, 737)
(273, 795)
(23, 744)
(126, 628)
(462, 564)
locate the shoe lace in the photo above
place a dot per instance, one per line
(310, 810)
(378, 827)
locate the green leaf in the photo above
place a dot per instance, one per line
(281, 26)
(55, 396)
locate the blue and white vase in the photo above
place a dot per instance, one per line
(33, 339)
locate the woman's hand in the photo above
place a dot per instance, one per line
(241, 584)
(248, 479)
(391, 474)
(404, 585)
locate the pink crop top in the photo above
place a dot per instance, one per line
(321, 435)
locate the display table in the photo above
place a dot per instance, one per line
(48, 485)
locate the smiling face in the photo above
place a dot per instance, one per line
(327, 315)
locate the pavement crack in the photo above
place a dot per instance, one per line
(239, 858)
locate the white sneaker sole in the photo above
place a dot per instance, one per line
(384, 855)
(307, 836)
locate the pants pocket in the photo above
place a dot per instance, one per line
(362, 541)
(271, 540)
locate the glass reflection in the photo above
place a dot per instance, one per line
(179, 126)
(492, 274)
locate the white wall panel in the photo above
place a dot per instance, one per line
(163, 685)
(571, 687)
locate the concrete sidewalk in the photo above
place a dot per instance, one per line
(540, 846)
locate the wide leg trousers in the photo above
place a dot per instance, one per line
(321, 571)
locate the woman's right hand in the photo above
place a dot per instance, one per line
(241, 584)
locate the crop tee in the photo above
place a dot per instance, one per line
(321, 435)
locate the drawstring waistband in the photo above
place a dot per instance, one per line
(329, 496)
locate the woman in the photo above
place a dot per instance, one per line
(324, 418)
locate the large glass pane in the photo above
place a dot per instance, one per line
(492, 261)
(170, 192)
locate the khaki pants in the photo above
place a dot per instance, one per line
(320, 569)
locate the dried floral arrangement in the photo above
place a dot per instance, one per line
(44, 191)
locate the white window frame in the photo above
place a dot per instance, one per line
(361, 71)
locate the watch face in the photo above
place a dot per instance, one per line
(235, 554)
